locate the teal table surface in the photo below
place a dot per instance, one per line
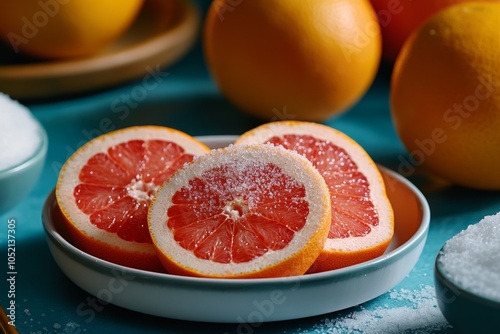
(186, 98)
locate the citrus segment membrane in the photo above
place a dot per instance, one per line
(105, 187)
(353, 213)
(239, 222)
(362, 218)
(116, 187)
(253, 211)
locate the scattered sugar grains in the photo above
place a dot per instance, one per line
(19, 133)
(411, 312)
(472, 258)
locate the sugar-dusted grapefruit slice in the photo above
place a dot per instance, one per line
(362, 223)
(105, 187)
(241, 212)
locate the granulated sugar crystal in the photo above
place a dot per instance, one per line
(471, 259)
(19, 133)
(413, 311)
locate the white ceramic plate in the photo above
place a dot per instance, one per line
(250, 300)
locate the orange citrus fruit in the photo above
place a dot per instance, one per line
(64, 28)
(241, 212)
(105, 187)
(292, 59)
(445, 96)
(399, 18)
(362, 222)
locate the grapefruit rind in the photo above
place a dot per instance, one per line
(294, 259)
(339, 252)
(85, 235)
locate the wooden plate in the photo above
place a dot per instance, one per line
(163, 32)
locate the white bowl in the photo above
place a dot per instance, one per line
(16, 182)
(249, 300)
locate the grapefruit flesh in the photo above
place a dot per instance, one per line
(362, 221)
(241, 212)
(105, 188)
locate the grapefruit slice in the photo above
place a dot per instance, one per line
(105, 187)
(241, 212)
(362, 222)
